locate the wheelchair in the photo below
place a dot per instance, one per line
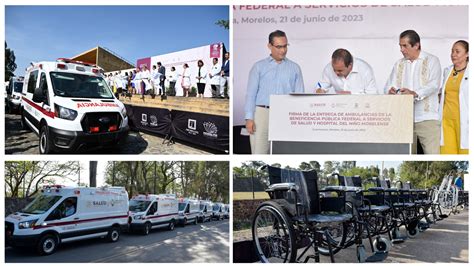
(446, 197)
(299, 217)
(372, 214)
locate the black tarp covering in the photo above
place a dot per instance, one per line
(211, 131)
(149, 119)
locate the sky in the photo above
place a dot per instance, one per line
(38, 33)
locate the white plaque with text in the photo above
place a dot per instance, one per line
(341, 118)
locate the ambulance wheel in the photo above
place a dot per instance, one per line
(114, 234)
(24, 126)
(44, 141)
(146, 229)
(196, 221)
(47, 245)
(185, 221)
(171, 226)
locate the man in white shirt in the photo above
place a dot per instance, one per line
(418, 73)
(348, 75)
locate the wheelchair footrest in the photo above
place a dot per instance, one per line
(398, 240)
(442, 216)
(378, 256)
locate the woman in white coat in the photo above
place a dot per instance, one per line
(186, 80)
(201, 78)
(454, 104)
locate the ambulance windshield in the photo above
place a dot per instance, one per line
(18, 86)
(41, 204)
(138, 205)
(80, 86)
(182, 206)
(216, 207)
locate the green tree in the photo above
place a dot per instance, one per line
(203, 180)
(25, 178)
(391, 173)
(311, 165)
(10, 65)
(223, 23)
(427, 174)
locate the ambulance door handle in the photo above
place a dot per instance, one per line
(77, 218)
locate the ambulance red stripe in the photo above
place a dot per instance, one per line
(39, 108)
(158, 216)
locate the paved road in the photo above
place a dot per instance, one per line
(202, 243)
(18, 141)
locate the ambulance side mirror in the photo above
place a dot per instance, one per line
(38, 95)
(54, 215)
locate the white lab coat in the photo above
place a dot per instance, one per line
(463, 105)
(215, 74)
(203, 75)
(155, 76)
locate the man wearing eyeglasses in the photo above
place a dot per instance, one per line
(275, 75)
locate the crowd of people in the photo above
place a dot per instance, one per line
(441, 116)
(142, 81)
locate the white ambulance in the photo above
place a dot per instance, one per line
(71, 107)
(226, 211)
(152, 211)
(205, 214)
(218, 211)
(14, 90)
(188, 211)
(64, 214)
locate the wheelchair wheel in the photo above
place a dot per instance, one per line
(382, 244)
(412, 229)
(273, 234)
(337, 236)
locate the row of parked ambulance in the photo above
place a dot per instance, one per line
(63, 214)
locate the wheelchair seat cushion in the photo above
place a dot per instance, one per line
(407, 204)
(427, 202)
(326, 218)
(374, 208)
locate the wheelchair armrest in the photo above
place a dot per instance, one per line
(376, 189)
(281, 187)
(340, 189)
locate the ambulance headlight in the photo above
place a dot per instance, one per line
(124, 112)
(64, 113)
(16, 97)
(137, 217)
(27, 224)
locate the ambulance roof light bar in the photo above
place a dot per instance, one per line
(67, 60)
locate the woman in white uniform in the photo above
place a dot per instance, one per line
(186, 80)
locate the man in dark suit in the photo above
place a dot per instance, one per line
(162, 71)
(225, 70)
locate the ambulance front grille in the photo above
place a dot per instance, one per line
(103, 121)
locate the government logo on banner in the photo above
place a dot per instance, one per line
(215, 50)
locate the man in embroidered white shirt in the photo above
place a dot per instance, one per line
(419, 74)
(348, 75)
